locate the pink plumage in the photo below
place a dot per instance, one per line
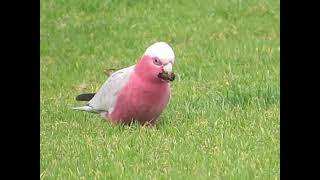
(144, 97)
(138, 93)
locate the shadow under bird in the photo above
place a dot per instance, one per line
(137, 93)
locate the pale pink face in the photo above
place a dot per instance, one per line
(156, 63)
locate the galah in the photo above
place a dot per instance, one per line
(136, 93)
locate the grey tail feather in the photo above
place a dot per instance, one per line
(85, 97)
(86, 108)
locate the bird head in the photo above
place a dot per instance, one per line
(157, 62)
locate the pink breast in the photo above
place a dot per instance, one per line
(140, 101)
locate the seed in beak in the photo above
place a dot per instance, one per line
(167, 76)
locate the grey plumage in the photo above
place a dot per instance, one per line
(104, 100)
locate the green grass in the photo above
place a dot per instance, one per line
(223, 121)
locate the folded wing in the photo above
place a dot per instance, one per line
(105, 99)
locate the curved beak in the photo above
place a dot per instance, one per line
(168, 68)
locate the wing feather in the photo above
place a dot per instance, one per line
(105, 98)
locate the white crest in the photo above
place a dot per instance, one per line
(161, 50)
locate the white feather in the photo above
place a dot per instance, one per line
(84, 108)
(161, 50)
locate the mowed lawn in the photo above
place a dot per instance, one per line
(223, 121)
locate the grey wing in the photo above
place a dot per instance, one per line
(105, 98)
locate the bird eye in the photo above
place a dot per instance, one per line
(156, 61)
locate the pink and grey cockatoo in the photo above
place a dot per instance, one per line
(136, 93)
